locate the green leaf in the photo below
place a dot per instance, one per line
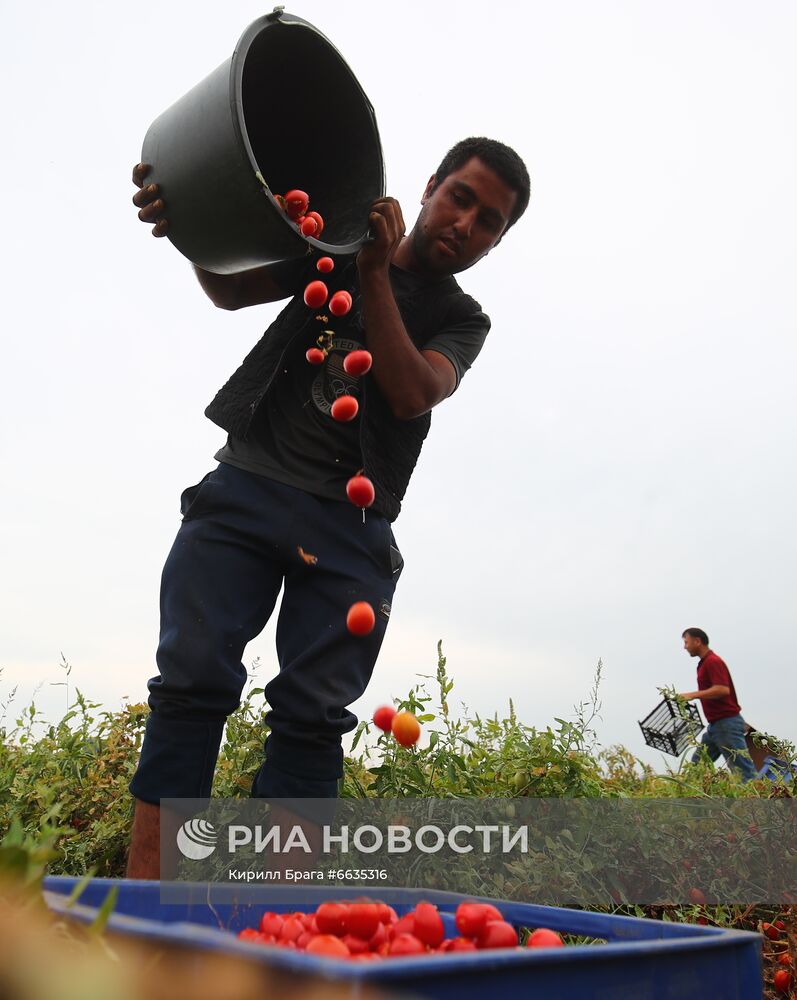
(105, 911)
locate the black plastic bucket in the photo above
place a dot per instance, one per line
(284, 111)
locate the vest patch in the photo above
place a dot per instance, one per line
(384, 609)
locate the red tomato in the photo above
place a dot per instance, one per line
(406, 729)
(356, 362)
(460, 944)
(406, 944)
(404, 925)
(429, 925)
(331, 918)
(470, 919)
(355, 944)
(360, 490)
(363, 917)
(315, 295)
(307, 226)
(292, 928)
(271, 923)
(319, 222)
(771, 932)
(325, 264)
(296, 203)
(544, 938)
(327, 944)
(305, 938)
(498, 934)
(780, 925)
(315, 356)
(340, 303)
(345, 408)
(782, 980)
(784, 959)
(250, 934)
(383, 717)
(378, 938)
(696, 895)
(387, 914)
(360, 621)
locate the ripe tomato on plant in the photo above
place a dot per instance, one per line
(782, 981)
(406, 729)
(697, 896)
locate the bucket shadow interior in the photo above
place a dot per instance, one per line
(310, 126)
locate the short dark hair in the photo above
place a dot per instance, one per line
(696, 633)
(498, 157)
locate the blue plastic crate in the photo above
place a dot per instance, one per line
(641, 959)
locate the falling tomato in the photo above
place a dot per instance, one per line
(361, 618)
(356, 362)
(383, 717)
(344, 408)
(340, 303)
(325, 264)
(360, 490)
(406, 729)
(315, 295)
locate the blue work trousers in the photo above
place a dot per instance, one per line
(726, 737)
(242, 538)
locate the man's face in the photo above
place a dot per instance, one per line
(692, 645)
(462, 219)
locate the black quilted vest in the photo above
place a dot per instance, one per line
(390, 447)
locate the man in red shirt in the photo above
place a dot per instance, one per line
(726, 727)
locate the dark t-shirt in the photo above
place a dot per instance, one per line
(712, 670)
(293, 438)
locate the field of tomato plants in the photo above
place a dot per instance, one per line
(64, 804)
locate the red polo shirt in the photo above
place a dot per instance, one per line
(712, 670)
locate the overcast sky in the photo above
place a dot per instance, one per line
(618, 464)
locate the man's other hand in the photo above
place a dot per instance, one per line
(147, 199)
(387, 231)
